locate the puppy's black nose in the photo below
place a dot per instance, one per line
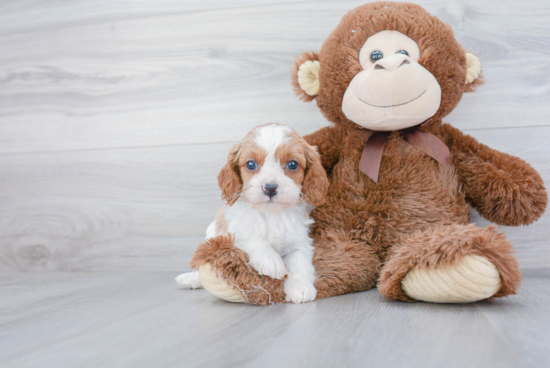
(270, 189)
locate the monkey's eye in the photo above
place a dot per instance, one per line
(376, 55)
(251, 165)
(292, 165)
(402, 52)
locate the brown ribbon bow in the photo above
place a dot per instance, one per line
(424, 141)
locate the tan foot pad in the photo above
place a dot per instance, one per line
(474, 279)
(218, 287)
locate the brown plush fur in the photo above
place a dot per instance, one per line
(502, 188)
(417, 214)
(231, 263)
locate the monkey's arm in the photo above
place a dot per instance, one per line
(328, 141)
(502, 188)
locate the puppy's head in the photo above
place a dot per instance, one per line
(273, 168)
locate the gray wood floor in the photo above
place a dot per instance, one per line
(115, 118)
(141, 319)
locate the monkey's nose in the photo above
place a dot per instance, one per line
(392, 62)
(270, 189)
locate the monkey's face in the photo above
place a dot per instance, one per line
(387, 66)
(392, 91)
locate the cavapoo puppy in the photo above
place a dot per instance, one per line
(269, 183)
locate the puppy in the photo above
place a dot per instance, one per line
(269, 183)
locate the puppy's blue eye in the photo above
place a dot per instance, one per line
(292, 165)
(376, 55)
(251, 165)
(402, 52)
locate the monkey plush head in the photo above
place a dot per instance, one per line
(387, 66)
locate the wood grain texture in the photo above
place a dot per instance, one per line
(141, 319)
(115, 116)
(99, 74)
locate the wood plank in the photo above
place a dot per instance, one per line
(148, 208)
(103, 209)
(141, 319)
(518, 321)
(43, 15)
(109, 75)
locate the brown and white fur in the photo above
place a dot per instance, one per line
(269, 183)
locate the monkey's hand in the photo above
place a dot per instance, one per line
(502, 188)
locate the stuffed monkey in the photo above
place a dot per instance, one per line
(397, 214)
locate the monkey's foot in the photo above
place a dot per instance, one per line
(224, 271)
(451, 264)
(218, 287)
(474, 278)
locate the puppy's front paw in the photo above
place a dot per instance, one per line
(189, 280)
(268, 264)
(299, 291)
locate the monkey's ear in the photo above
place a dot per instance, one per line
(473, 73)
(305, 76)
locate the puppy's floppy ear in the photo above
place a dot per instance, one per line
(315, 185)
(473, 73)
(229, 179)
(305, 76)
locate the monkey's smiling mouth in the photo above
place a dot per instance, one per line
(416, 98)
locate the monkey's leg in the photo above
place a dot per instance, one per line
(341, 264)
(224, 271)
(451, 264)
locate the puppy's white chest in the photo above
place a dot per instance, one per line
(279, 232)
(280, 229)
